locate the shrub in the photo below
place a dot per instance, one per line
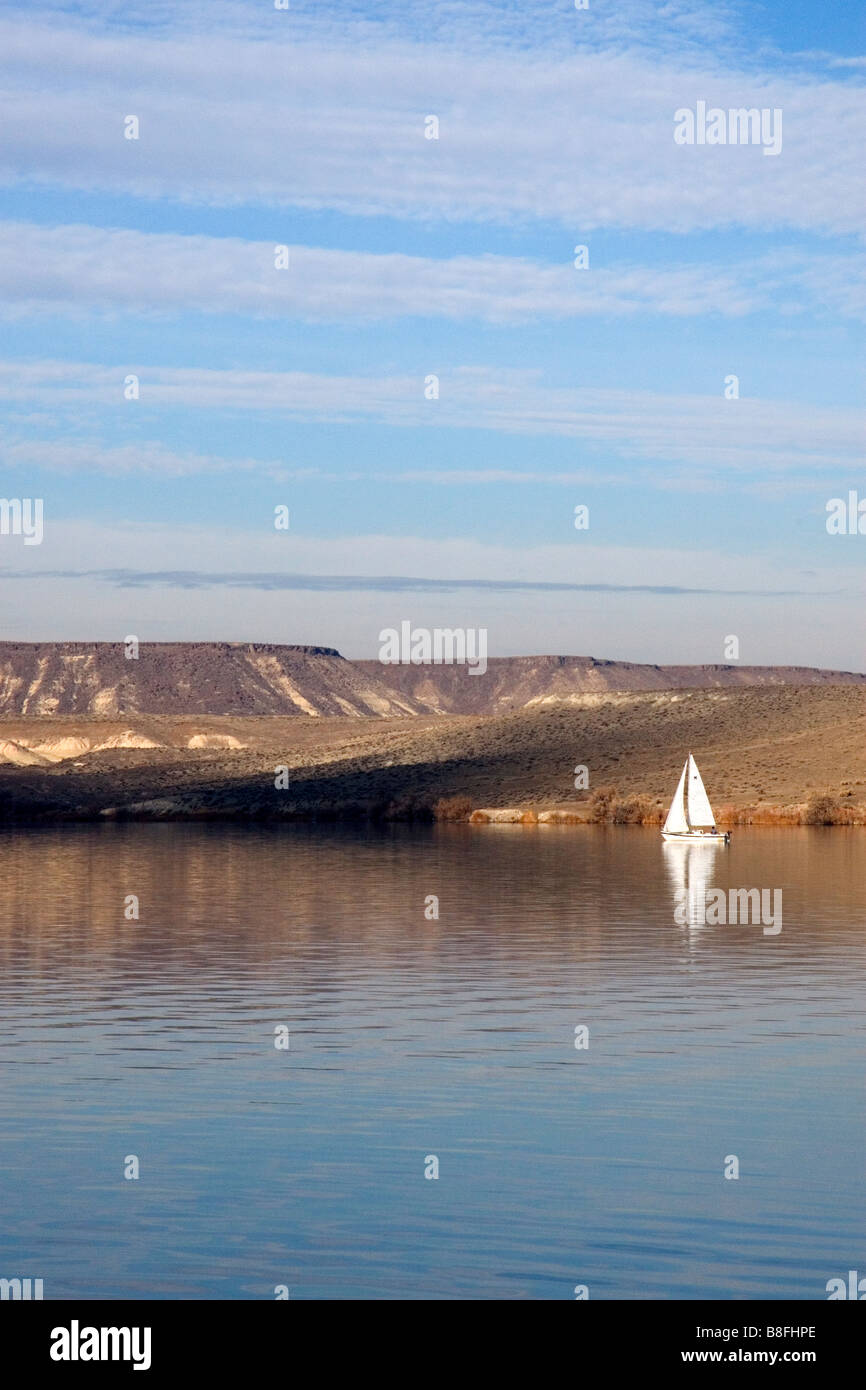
(821, 809)
(600, 804)
(453, 808)
(634, 810)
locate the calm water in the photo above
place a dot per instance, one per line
(412, 1037)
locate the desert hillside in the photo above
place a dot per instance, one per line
(241, 679)
(515, 681)
(756, 745)
(95, 678)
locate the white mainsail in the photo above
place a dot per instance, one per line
(676, 823)
(700, 812)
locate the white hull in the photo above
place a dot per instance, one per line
(696, 837)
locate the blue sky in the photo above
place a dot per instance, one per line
(453, 257)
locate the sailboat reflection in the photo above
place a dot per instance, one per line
(690, 869)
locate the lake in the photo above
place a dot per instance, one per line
(565, 1158)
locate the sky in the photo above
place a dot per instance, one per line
(310, 385)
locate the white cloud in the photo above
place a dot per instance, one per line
(171, 547)
(82, 269)
(462, 24)
(121, 460)
(680, 435)
(584, 138)
(147, 457)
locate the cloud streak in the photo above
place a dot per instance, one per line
(259, 555)
(684, 435)
(390, 584)
(581, 138)
(83, 269)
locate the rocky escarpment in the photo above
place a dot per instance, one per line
(98, 678)
(516, 682)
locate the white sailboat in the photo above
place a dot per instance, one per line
(691, 815)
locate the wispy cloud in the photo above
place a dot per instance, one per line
(157, 460)
(584, 138)
(123, 460)
(672, 26)
(384, 584)
(673, 432)
(261, 555)
(83, 269)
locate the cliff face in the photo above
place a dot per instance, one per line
(96, 678)
(234, 678)
(519, 681)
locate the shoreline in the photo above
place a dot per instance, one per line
(822, 811)
(168, 810)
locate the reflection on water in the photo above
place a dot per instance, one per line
(412, 1036)
(692, 870)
